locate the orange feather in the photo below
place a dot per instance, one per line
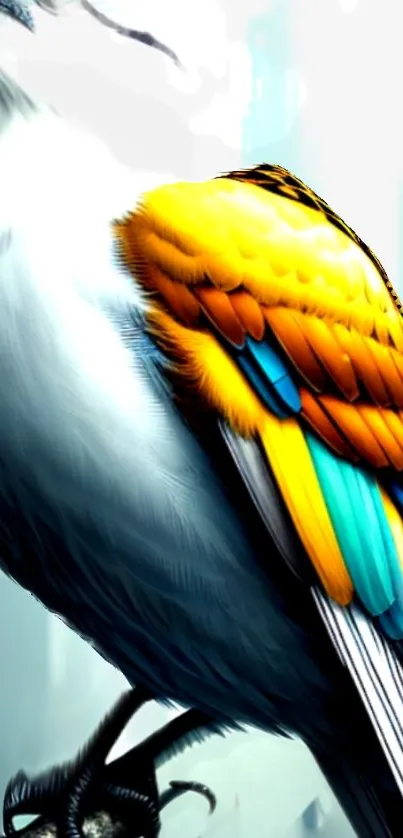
(352, 425)
(375, 421)
(357, 347)
(394, 421)
(336, 362)
(177, 297)
(249, 313)
(218, 308)
(383, 359)
(288, 329)
(272, 252)
(319, 420)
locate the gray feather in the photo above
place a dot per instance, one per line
(13, 100)
(19, 12)
(269, 504)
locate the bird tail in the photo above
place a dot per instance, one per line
(364, 788)
(366, 772)
(362, 759)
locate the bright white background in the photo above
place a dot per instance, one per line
(313, 85)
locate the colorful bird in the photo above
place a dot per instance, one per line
(201, 443)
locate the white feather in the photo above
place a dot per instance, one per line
(68, 383)
(130, 534)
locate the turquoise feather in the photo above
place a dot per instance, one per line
(352, 496)
(356, 511)
(392, 621)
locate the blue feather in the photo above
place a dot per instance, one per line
(261, 386)
(397, 493)
(269, 377)
(273, 368)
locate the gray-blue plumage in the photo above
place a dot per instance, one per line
(112, 511)
(167, 593)
(19, 12)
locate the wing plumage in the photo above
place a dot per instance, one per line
(286, 325)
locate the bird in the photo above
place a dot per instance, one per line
(200, 441)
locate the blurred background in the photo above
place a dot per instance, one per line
(316, 87)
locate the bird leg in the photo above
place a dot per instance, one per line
(126, 789)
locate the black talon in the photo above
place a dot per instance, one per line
(180, 787)
(76, 790)
(72, 781)
(91, 764)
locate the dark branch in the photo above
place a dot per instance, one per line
(143, 37)
(19, 11)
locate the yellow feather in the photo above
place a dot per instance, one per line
(290, 459)
(206, 364)
(236, 234)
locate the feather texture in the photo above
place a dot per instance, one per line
(295, 338)
(133, 528)
(110, 511)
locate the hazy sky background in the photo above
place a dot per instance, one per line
(313, 85)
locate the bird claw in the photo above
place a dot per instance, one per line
(179, 787)
(74, 792)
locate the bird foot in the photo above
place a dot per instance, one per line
(89, 797)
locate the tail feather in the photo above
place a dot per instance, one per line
(365, 769)
(376, 670)
(373, 811)
(364, 762)
(260, 484)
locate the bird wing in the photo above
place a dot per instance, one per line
(284, 323)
